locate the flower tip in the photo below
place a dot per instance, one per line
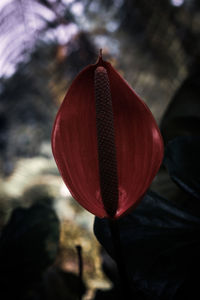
(100, 58)
(100, 53)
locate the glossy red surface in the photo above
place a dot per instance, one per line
(139, 145)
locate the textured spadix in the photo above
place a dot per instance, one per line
(107, 154)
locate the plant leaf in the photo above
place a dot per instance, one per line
(161, 245)
(183, 163)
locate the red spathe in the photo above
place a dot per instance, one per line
(138, 141)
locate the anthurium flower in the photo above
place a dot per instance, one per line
(105, 141)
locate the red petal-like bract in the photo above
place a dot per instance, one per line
(75, 145)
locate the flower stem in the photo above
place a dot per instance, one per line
(80, 264)
(119, 258)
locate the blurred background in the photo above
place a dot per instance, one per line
(154, 44)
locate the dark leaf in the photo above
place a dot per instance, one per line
(183, 163)
(161, 245)
(182, 116)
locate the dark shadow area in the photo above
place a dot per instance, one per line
(28, 249)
